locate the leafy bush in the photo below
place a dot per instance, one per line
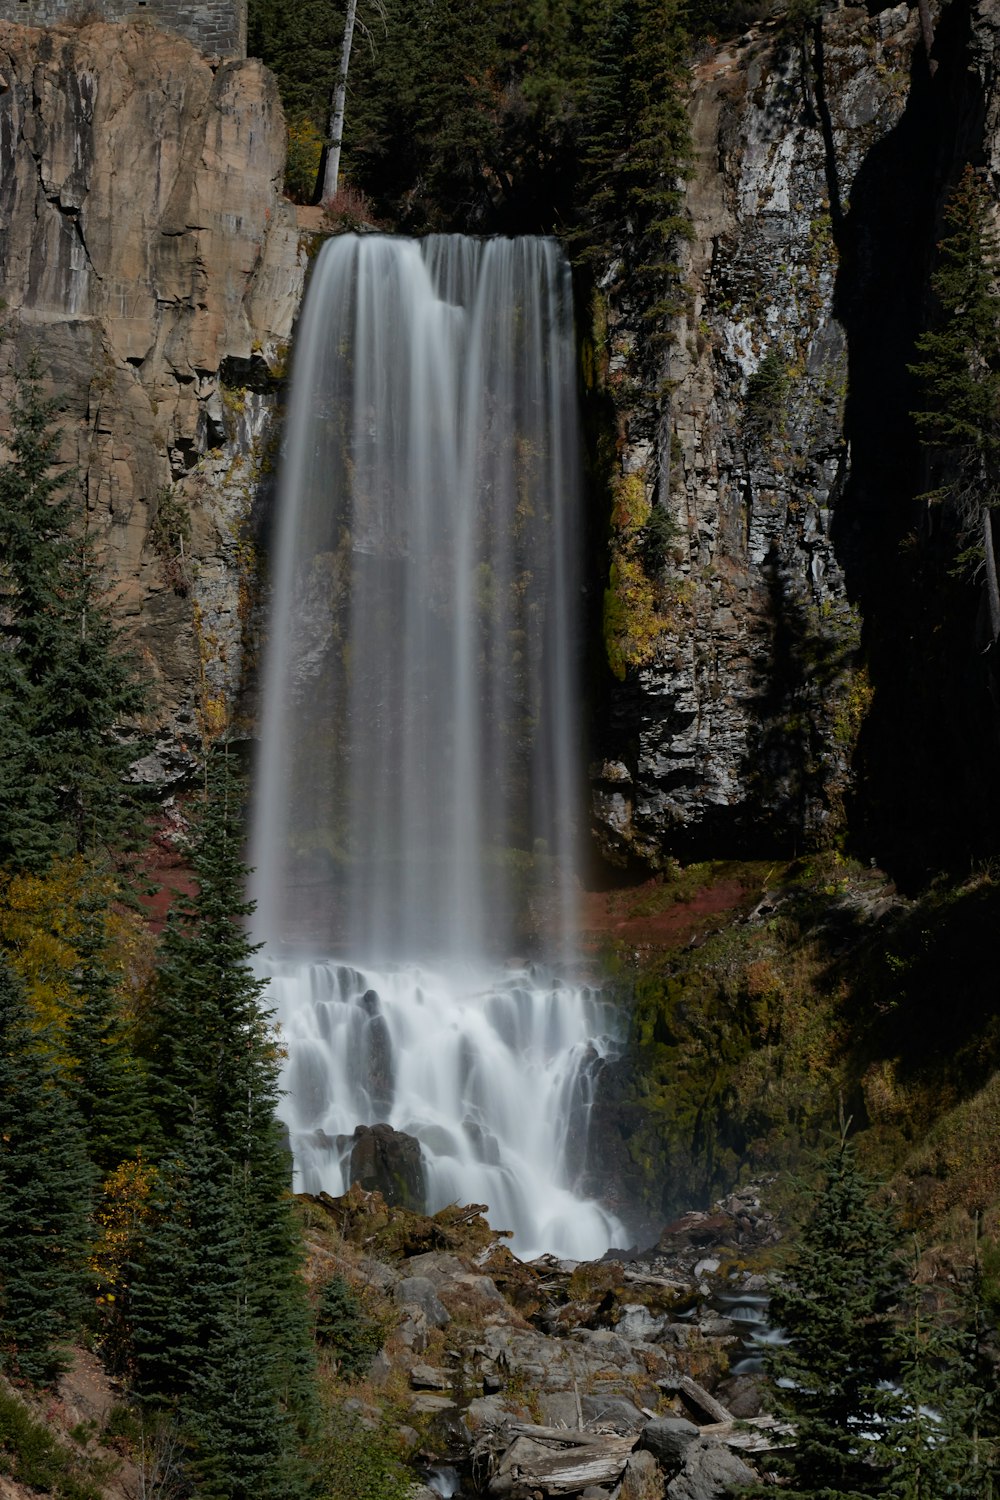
(305, 149)
(658, 536)
(358, 1464)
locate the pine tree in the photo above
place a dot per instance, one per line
(636, 142)
(215, 1060)
(106, 1081)
(959, 365)
(944, 1428)
(45, 1191)
(835, 1308)
(67, 684)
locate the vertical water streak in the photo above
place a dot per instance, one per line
(418, 784)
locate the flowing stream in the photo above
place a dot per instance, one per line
(418, 787)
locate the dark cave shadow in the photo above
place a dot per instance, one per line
(923, 800)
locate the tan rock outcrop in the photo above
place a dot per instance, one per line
(144, 241)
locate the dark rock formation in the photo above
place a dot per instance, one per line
(388, 1161)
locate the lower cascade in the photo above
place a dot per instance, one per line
(418, 792)
(491, 1071)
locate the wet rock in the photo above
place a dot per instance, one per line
(389, 1162)
(430, 1405)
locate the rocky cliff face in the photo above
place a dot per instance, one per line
(789, 628)
(146, 251)
(821, 161)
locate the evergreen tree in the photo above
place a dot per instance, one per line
(215, 1059)
(213, 1044)
(106, 1081)
(959, 364)
(203, 1348)
(636, 141)
(66, 682)
(836, 1307)
(944, 1428)
(930, 1448)
(45, 1188)
(188, 1276)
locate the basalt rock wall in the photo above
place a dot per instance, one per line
(771, 676)
(145, 250)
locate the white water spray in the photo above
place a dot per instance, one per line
(418, 792)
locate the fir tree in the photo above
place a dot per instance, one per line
(45, 1189)
(944, 1428)
(67, 684)
(959, 364)
(836, 1307)
(215, 1058)
(636, 143)
(214, 1045)
(188, 1276)
(105, 1079)
(203, 1348)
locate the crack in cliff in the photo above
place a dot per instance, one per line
(72, 213)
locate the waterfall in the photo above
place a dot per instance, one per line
(418, 788)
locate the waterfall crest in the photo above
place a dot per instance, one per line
(418, 786)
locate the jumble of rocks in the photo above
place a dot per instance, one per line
(608, 1380)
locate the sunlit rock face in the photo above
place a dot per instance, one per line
(144, 242)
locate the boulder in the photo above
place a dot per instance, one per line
(388, 1161)
(642, 1479)
(417, 1294)
(428, 1378)
(668, 1439)
(710, 1472)
(611, 1412)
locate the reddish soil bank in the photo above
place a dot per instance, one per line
(647, 915)
(168, 871)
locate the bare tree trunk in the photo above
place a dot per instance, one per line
(992, 585)
(331, 176)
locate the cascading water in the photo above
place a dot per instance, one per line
(417, 791)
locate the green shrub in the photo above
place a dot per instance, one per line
(358, 1464)
(343, 1327)
(766, 397)
(31, 1454)
(658, 536)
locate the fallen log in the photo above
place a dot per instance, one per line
(558, 1468)
(664, 1281)
(704, 1407)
